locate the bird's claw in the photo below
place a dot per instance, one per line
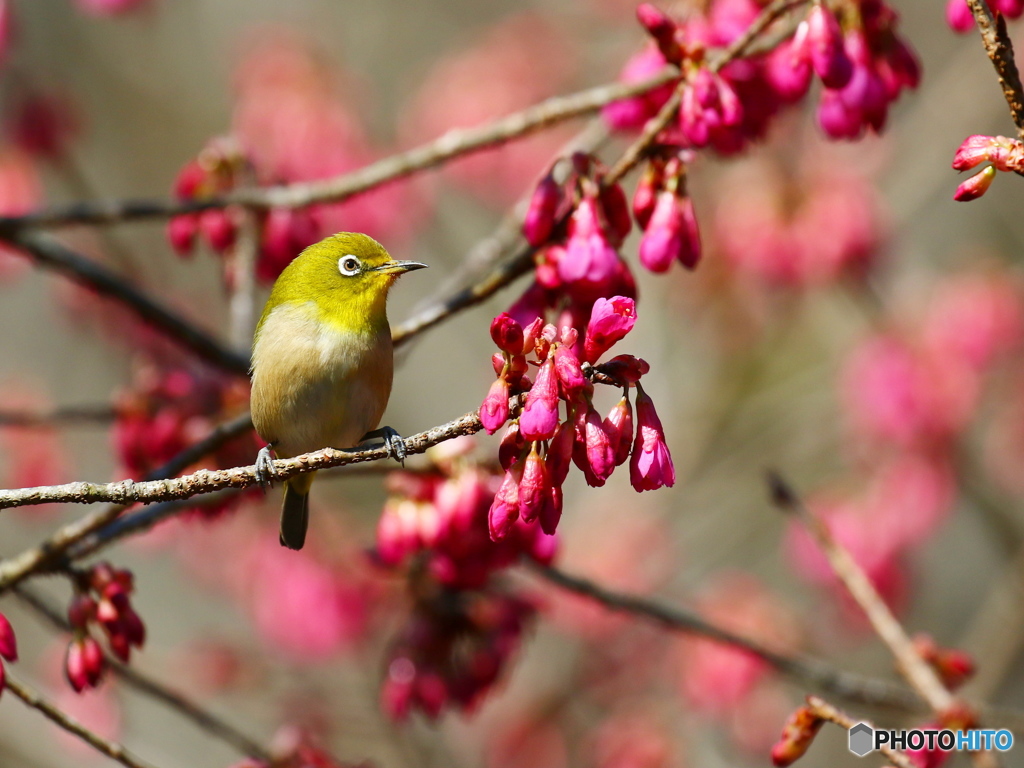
(265, 471)
(394, 443)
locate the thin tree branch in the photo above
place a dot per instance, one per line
(454, 143)
(826, 711)
(999, 48)
(14, 569)
(813, 672)
(147, 685)
(49, 252)
(914, 669)
(72, 416)
(207, 480)
(111, 749)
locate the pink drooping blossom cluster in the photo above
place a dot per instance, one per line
(863, 65)
(102, 598)
(910, 396)
(961, 19)
(664, 211)
(452, 650)
(801, 228)
(577, 227)
(538, 447)
(169, 407)
(1006, 155)
(439, 519)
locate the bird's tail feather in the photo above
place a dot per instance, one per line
(295, 511)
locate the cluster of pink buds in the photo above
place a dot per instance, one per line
(212, 174)
(1005, 154)
(580, 225)
(168, 409)
(216, 172)
(665, 212)
(797, 735)
(8, 647)
(452, 651)
(101, 597)
(440, 517)
(961, 19)
(538, 447)
(862, 63)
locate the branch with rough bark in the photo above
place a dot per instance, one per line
(821, 708)
(999, 48)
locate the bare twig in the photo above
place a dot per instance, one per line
(145, 684)
(913, 668)
(73, 415)
(52, 254)
(808, 671)
(999, 48)
(111, 749)
(826, 711)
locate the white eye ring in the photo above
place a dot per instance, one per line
(349, 265)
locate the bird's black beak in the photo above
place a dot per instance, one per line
(399, 267)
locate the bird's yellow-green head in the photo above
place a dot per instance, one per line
(345, 278)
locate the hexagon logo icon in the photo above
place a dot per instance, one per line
(862, 738)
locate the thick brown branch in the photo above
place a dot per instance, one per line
(52, 254)
(145, 684)
(80, 415)
(999, 48)
(808, 671)
(111, 749)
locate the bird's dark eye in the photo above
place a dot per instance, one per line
(348, 265)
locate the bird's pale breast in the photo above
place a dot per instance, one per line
(314, 386)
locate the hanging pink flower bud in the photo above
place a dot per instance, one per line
(534, 488)
(181, 233)
(647, 193)
(218, 230)
(626, 369)
(788, 67)
(551, 512)
(494, 409)
(976, 186)
(836, 119)
(616, 211)
(662, 29)
(540, 415)
(650, 465)
(588, 255)
(959, 16)
(570, 374)
(81, 610)
(134, 629)
(542, 211)
(504, 509)
(559, 457)
(825, 42)
(972, 152)
(618, 425)
(797, 734)
(592, 450)
(610, 320)
(671, 234)
(511, 446)
(8, 644)
(507, 334)
(84, 663)
(119, 644)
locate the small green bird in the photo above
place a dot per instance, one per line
(322, 361)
